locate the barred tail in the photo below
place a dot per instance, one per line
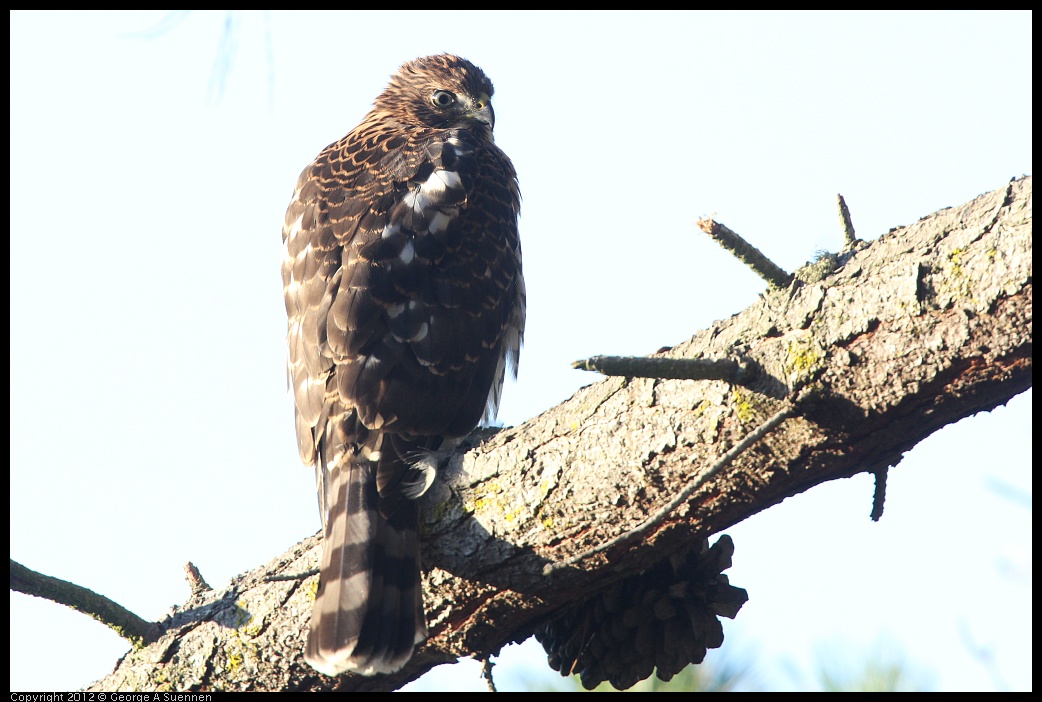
(368, 612)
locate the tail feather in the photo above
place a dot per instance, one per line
(368, 612)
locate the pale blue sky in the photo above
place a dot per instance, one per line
(150, 420)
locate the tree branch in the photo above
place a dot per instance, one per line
(121, 620)
(745, 252)
(918, 329)
(845, 223)
(667, 368)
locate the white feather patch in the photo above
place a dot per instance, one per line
(408, 253)
(439, 223)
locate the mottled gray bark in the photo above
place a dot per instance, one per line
(926, 325)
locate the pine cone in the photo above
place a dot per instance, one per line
(663, 618)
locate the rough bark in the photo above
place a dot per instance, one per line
(926, 325)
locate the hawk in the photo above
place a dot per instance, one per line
(406, 304)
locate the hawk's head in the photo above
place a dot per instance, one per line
(440, 92)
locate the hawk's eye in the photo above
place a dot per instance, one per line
(442, 98)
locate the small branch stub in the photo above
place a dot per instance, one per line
(746, 253)
(849, 238)
(486, 672)
(879, 497)
(664, 368)
(195, 579)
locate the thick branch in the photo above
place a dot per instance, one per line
(918, 329)
(663, 512)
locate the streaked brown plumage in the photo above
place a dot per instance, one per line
(406, 303)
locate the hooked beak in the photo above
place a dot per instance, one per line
(483, 112)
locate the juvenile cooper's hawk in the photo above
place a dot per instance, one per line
(406, 304)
